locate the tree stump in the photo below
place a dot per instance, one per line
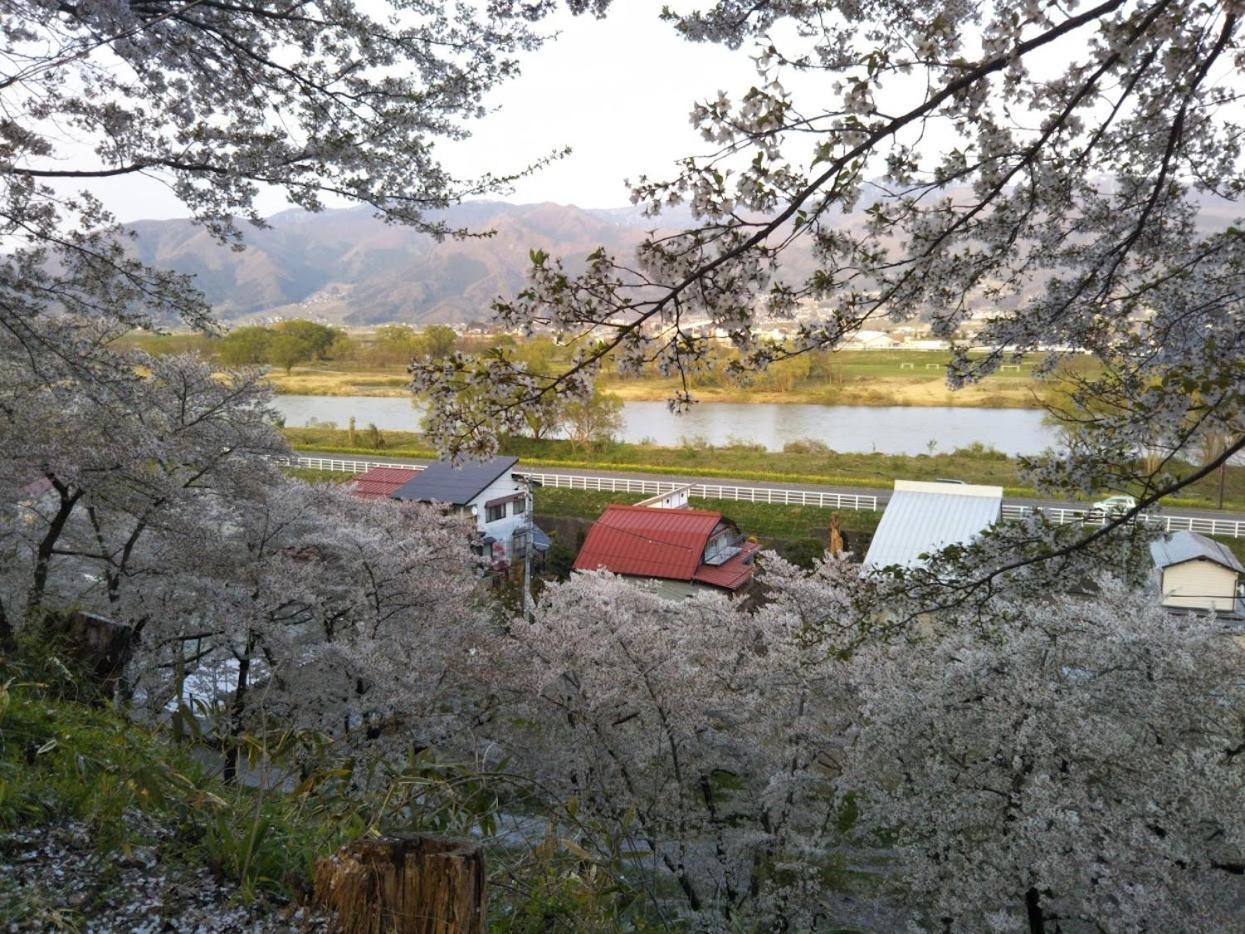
(100, 646)
(404, 884)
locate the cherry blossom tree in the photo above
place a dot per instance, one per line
(316, 610)
(90, 473)
(1081, 763)
(1073, 170)
(695, 733)
(218, 101)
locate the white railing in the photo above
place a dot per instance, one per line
(750, 494)
(339, 465)
(1230, 528)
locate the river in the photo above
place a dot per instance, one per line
(846, 428)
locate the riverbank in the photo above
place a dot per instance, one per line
(994, 392)
(846, 377)
(923, 392)
(801, 462)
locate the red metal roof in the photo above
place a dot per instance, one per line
(666, 543)
(381, 481)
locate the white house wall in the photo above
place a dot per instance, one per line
(1200, 585)
(503, 529)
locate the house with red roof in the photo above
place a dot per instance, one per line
(381, 482)
(683, 550)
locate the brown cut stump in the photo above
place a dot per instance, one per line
(404, 884)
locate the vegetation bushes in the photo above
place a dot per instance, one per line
(285, 344)
(807, 446)
(62, 757)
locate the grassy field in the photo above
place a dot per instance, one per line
(800, 463)
(855, 377)
(760, 519)
(330, 379)
(846, 377)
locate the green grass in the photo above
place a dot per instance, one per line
(764, 520)
(61, 759)
(1235, 545)
(802, 462)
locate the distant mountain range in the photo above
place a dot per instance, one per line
(345, 267)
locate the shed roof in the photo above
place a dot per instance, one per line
(381, 481)
(731, 574)
(648, 542)
(922, 518)
(443, 482)
(1179, 547)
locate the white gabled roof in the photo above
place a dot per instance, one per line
(923, 517)
(1179, 547)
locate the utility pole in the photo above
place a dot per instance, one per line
(527, 548)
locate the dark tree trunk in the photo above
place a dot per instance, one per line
(43, 555)
(7, 642)
(238, 708)
(1033, 910)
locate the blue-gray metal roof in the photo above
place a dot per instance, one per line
(1179, 547)
(442, 482)
(923, 518)
(540, 538)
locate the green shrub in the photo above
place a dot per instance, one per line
(806, 446)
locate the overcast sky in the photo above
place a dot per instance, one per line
(618, 91)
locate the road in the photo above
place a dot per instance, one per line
(882, 494)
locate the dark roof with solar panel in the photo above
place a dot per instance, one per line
(443, 482)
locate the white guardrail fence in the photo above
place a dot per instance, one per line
(1231, 528)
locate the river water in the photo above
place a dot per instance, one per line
(846, 428)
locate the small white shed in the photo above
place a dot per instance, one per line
(1197, 572)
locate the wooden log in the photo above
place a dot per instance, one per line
(404, 884)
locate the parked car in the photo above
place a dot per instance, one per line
(1111, 507)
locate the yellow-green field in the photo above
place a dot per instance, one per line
(373, 363)
(915, 378)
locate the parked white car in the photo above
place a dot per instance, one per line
(1111, 507)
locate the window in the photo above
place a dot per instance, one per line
(493, 513)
